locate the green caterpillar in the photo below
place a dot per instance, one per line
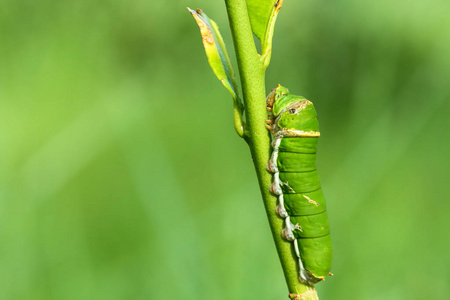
(295, 131)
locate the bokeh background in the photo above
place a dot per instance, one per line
(121, 176)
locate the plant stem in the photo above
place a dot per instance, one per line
(252, 74)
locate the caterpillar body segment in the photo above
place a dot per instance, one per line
(295, 132)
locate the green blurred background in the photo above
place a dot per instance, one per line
(121, 176)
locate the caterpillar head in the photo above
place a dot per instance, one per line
(290, 114)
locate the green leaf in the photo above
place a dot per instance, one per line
(259, 12)
(215, 50)
(263, 15)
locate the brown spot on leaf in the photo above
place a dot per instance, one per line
(205, 31)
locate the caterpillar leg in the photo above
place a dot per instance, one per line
(288, 231)
(275, 187)
(281, 210)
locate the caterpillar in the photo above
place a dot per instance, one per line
(292, 121)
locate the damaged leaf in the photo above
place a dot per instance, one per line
(215, 50)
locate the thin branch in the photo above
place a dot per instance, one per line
(252, 73)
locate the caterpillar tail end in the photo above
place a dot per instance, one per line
(306, 277)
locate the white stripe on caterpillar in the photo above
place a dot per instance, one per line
(303, 274)
(272, 165)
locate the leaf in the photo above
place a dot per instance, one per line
(263, 15)
(260, 12)
(215, 50)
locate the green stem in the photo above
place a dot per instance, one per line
(252, 74)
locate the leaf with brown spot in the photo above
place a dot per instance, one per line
(215, 50)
